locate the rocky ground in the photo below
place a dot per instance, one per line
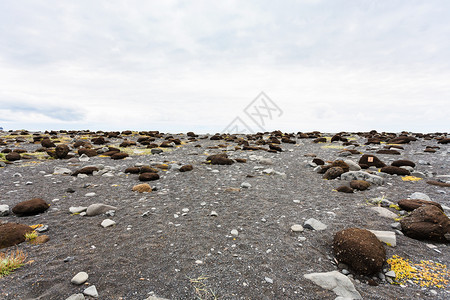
(217, 231)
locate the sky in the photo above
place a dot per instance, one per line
(210, 66)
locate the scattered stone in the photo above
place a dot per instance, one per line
(76, 297)
(361, 175)
(314, 224)
(390, 274)
(148, 176)
(426, 223)
(395, 171)
(419, 195)
(91, 194)
(12, 234)
(297, 228)
(4, 210)
(142, 188)
(246, 185)
(352, 165)
(186, 168)
(332, 173)
(234, 232)
(80, 278)
(61, 171)
(412, 204)
(340, 284)
(98, 209)
(344, 189)
(41, 229)
(387, 237)
(384, 212)
(107, 223)
(77, 209)
(360, 249)
(360, 185)
(31, 207)
(91, 291)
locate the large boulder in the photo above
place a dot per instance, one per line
(368, 160)
(12, 234)
(30, 207)
(360, 249)
(426, 223)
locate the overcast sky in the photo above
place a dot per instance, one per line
(177, 66)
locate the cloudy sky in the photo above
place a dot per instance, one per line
(177, 66)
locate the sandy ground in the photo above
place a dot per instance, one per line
(178, 254)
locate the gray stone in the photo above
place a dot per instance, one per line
(419, 195)
(4, 210)
(107, 223)
(234, 232)
(246, 185)
(384, 212)
(337, 282)
(91, 291)
(41, 229)
(91, 194)
(83, 157)
(76, 297)
(385, 203)
(266, 161)
(387, 237)
(80, 278)
(61, 171)
(352, 165)
(390, 274)
(77, 209)
(418, 174)
(297, 228)
(98, 209)
(155, 298)
(314, 224)
(396, 225)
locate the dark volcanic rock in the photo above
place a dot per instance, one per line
(119, 155)
(395, 170)
(360, 249)
(344, 189)
(61, 151)
(13, 156)
(12, 234)
(30, 207)
(186, 168)
(85, 170)
(438, 183)
(88, 152)
(148, 176)
(412, 204)
(403, 162)
(370, 161)
(332, 173)
(426, 223)
(360, 185)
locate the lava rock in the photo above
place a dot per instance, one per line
(412, 204)
(12, 234)
(85, 170)
(148, 176)
(186, 168)
(360, 249)
(426, 223)
(345, 189)
(370, 160)
(360, 185)
(395, 170)
(403, 162)
(30, 207)
(332, 173)
(142, 188)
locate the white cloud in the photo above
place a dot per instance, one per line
(179, 66)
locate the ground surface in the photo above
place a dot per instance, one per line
(161, 253)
